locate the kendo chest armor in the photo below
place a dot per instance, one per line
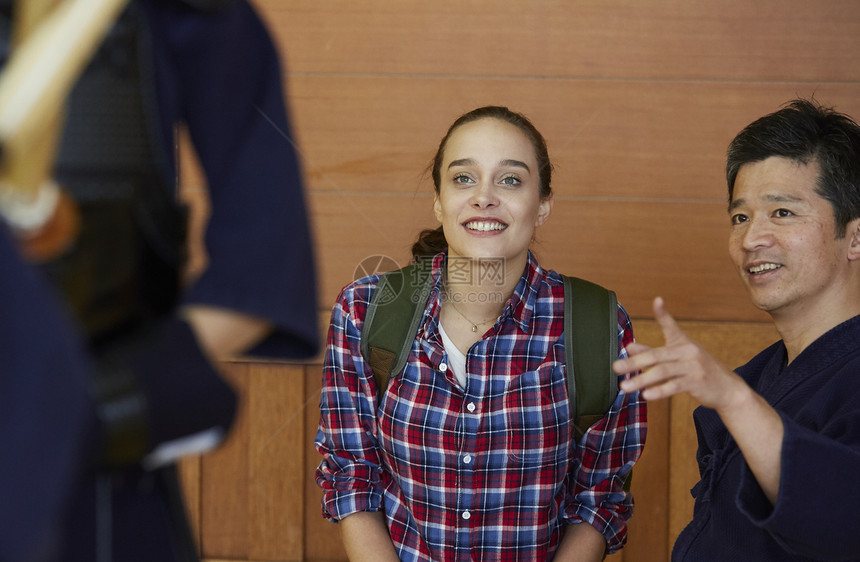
(124, 267)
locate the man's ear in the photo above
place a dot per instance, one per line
(853, 235)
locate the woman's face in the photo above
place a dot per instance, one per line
(489, 200)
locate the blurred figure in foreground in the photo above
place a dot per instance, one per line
(108, 359)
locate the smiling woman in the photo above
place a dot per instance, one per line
(470, 448)
(431, 242)
(490, 207)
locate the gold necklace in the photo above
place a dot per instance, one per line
(474, 324)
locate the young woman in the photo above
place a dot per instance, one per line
(470, 453)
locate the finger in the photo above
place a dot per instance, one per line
(649, 378)
(660, 382)
(636, 348)
(645, 357)
(666, 389)
(629, 365)
(671, 331)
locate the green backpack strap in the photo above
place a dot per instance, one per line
(590, 338)
(591, 345)
(392, 319)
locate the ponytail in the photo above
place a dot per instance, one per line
(430, 242)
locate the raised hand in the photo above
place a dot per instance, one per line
(681, 365)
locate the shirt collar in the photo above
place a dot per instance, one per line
(519, 308)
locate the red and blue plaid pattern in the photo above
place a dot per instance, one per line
(491, 471)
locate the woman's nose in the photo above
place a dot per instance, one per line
(484, 196)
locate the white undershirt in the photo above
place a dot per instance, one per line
(456, 358)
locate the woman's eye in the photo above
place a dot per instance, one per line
(510, 180)
(462, 178)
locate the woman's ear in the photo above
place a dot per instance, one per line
(544, 210)
(437, 208)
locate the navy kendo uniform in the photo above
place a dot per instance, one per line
(111, 402)
(46, 412)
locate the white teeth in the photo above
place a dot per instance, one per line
(485, 226)
(763, 267)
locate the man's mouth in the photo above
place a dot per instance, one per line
(485, 226)
(762, 268)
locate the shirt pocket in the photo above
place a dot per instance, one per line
(537, 431)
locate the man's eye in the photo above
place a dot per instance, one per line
(738, 219)
(783, 213)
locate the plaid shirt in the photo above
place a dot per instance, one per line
(489, 472)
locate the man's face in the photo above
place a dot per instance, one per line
(783, 239)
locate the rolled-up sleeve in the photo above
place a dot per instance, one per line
(350, 473)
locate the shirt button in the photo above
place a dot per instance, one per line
(467, 459)
(466, 515)
(443, 367)
(470, 406)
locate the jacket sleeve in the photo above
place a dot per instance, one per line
(605, 457)
(220, 74)
(47, 425)
(815, 512)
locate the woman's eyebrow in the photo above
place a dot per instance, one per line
(502, 163)
(461, 162)
(514, 163)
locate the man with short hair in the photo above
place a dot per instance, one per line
(779, 439)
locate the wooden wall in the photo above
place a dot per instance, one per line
(637, 99)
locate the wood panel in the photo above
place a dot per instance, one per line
(188, 470)
(639, 179)
(622, 138)
(638, 182)
(658, 39)
(648, 528)
(253, 487)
